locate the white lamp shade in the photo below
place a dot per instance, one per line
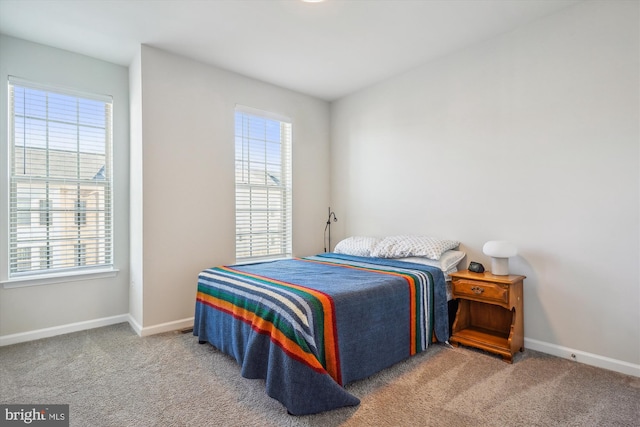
(499, 251)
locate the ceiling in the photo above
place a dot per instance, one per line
(326, 50)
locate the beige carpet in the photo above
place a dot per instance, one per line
(111, 377)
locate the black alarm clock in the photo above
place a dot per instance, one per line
(476, 267)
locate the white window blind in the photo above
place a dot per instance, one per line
(263, 185)
(60, 212)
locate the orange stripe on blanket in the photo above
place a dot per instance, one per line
(332, 357)
(263, 326)
(412, 295)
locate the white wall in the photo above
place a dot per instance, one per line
(88, 302)
(186, 171)
(136, 237)
(531, 137)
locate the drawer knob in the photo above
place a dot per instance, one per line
(477, 290)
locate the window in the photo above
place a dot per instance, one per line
(23, 259)
(44, 258)
(81, 212)
(60, 169)
(24, 210)
(80, 250)
(44, 213)
(263, 185)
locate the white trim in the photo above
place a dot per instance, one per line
(69, 276)
(13, 80)
(162, 327)
(262, 113)
(60, 330)
(583, 357)
(137, 327)
(544, 347)
(96, 323)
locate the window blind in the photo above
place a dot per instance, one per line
(60, 195)
(263, 185)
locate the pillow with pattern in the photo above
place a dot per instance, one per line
(356, 245)
(407, 246)
(448, 261)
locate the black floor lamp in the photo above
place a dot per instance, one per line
(328, 227)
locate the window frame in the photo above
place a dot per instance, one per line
(42, 271)
(278, 182)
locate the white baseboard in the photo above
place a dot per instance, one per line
(160, 328)
(60, 330)
(137, 327)
(544, 347)
(96, 323)
(583, 357)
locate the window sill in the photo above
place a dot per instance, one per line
(20, 282)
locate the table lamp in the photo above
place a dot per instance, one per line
(499, 251)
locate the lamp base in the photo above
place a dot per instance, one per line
(500, 266)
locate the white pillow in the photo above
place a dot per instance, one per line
(447, 262)
(408, 246)
(356, 245)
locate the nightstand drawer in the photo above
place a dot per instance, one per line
(481, 291)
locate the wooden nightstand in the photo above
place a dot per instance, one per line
(489, 313)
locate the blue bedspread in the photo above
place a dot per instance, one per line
(309, 326)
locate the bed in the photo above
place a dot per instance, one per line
(309, 326)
